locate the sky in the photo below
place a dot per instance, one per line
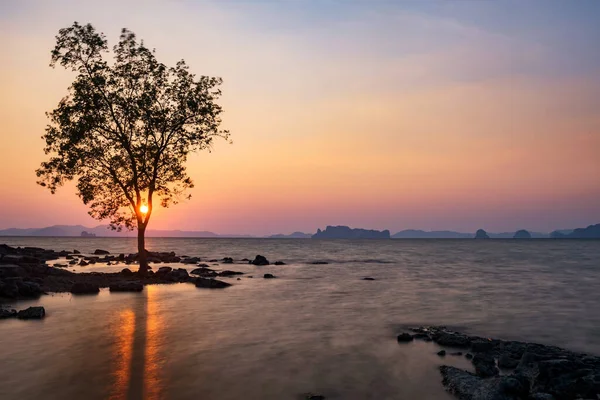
(375, 114)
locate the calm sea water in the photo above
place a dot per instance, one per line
(317, 328)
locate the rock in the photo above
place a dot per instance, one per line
(507, 362)
(190, 260)
(76, 251)
(485, 365)
(481, 346)
(227, 260)
(469, 356)
(164, 270)
(7, 313)
(126, 272)
(311, 396)
(268, 276)
(204, 272)
(60, 265)
(368, 278)
(260, 260)
(441, 353)
(456, 353)
(541, 396)
(9, 289)
(73, 262)
(319, 263)
(230, 273)
(85, 288)
(245, 259)
(29, 289)
(405, 338)
(211, 283)
(126, 286)
(452, 339)
(82, 263)
(99, 252)
(11, 271)
(466, 386)
(279, 263)
(69, 257)
(481, 234)
(32, 313)
(178, 275)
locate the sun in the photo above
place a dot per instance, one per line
(143, 209)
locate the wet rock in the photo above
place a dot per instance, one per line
(268, 276)
(405, 338)
(214, 261)
(204, 272)
(73, 262)
(451, 339)
(211, 283)
(485, 365)
(507, 362)
(29, 289)
(422, 336)
(100, 252)
(467, 386)
(541, 396)
(9, 289)
(441, 353)
(76, 251)
(82, 263)
(60, 265)
(11, 270)
(69, 257)
(279, 263)
(227, 260)
(178, 275)
(368, 278)
(85, 288)
(126, 272)
(32, 313)
(245, 259)
(469, 356)
(260, 260)
(128, 286)
(319, 263)
(482, 346)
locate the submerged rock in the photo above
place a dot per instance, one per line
(227, 260)
(260, 260)
(211, 283)
(268, 276)
(32, 313)
(99, 252)
(279, 263)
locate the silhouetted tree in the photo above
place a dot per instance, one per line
(126, 127)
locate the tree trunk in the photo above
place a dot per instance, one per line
(142, 255)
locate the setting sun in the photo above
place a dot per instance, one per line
(143, 209)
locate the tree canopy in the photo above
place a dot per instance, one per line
(126, 127)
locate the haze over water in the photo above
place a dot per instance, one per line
(316, 328)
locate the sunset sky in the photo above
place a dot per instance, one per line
(376, 114)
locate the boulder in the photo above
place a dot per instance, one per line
(260, 260)
(29, 289)
(126, 286)
(76, 251)
(405, 338)
(85, 288)
(211, 283)
(9, 289)
(190, 260)
(268, 276)
(227, 260)
(126, 272)
(82, 263)
(279, 263)
(467, 386)
(452, 339)
(32, 313)
(230, 273)
(441, 353)
(204, 271)
(507, 362)
(178, 275)
(99, 252)
(481, 346)
(164, 270)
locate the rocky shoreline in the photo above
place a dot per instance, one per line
(25, 274)
(512, 370)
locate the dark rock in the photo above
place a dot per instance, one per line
(7, 313)
(441, 353)
(451, 339)
(85, 288)
(230, 273)
(269, 276)
(126, 272)
(481, 346)
(29, 289)
(82, 263)
(100, 252)
(368, 278)
(466, 386)
(73, 262)
(405, 338)
(211, 283)
(164, 270)
(204, 272)
(32, 313)
(227, 260)
(126, 286)
(178, 275)
(469, 356)
(541, 396)
(422, 336)
(260, 260)
(310, 396)
(456, 353)
(245, 259)
(319, 263)
(485, 365)
(69, 257)
(213, 260)
(507, 362)
(9, 290)
(279, 263)
(76, 251)
(190, 260)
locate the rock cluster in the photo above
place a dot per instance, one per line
(530, 371)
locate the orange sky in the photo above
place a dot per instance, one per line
(387, 119)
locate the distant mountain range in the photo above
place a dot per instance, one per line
(331, 232)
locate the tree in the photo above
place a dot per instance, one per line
(125, 129)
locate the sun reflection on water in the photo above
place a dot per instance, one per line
(123, 354)
(152, 382)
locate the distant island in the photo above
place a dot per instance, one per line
(344, 232)
(330, 232)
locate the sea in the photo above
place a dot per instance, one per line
(315, 329)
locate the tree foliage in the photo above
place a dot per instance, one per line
(126, 127)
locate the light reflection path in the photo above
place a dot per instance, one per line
(138, 340)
